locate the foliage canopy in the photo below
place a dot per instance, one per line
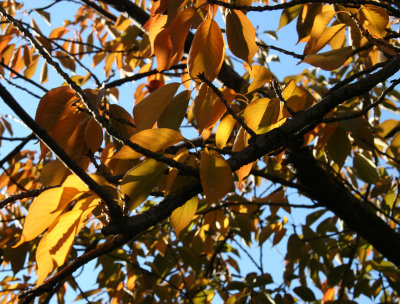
(208, 160)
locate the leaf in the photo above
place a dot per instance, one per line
(215, 175)
(329, 60)
(174, 114)
(207, 51)
(260, 75)
(140, 180)
(304, 293)
(203, 106)
(316, 44)
(262, 114)
(154, 140)
(44, 209)
(224, 130)
(31, 69)
(44, 261)
(149, 109)
(377, 19)
(121, 120)
(289, 14)
(339, 146)
(365, 168)
(182, 216)
(297, 98)
(93, 135)
(53, 173)
(241, 35)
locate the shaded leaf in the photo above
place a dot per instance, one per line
(215, 175)
(330, 60)
(140, 181)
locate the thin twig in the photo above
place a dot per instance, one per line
(228, 108)
(26, 194)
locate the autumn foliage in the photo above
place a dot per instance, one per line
(181, 189)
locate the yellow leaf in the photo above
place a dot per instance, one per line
(73, 181)
(241, 35)
(207, 52)
(241, 140)
(44, 210)
(53, 173)
(377, 18)
(154, 140)
(44, 261)
(316, 44)
(224, 130)
(174, 114)
(215, 175)
(149, 109)
(243, 171)
(182, 216)
(330, 60)
(156, 25)
(62, 232)
(31, 69)
(297, 98)
(260, 75)
(139, 181)
(261, 114)
(289, 14)
(321, 21)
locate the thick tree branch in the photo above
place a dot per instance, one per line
(331, 193)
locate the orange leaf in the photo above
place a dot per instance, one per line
(330, 60)
(207, 51)
(154, 140)
(149, 109)
(202, 107)
(182, 216)
(377, 18)
(93, 135)
(241, 35)
(215, 175)
(316, 44)
(174, 114)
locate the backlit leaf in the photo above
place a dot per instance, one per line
(93, 135)
(149, 109)
(224, 130)
(139, 181)
(377, 19)
(207, 51)
(215, 175)
(365, 168)
(329, 60)
(44, 261)
(260, 75)
(154, 140)
(241, 35)
(182, 216)
(289, 14)
(44, 210)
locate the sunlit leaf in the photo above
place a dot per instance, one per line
(224, 130)
(377, 19)
(260, 75)
(241, 35)
(149, 109)
(154, 140)
(289, 14)
(215, 175)
(329, 60)
(182, 216)
(207, 51)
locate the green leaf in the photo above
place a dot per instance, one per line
(304, 293)
(365, 168)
